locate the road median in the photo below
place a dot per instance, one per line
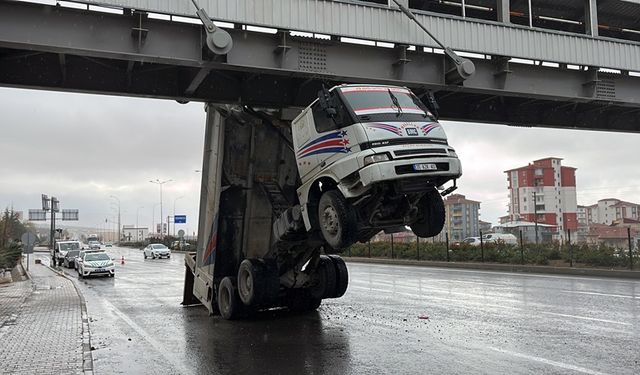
(576, 271)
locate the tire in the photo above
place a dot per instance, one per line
(257, 283)
(431, 209)
(326, 286)
(145, 255)
(337, 220)
(112, 275)
(229, 303)
(80, 275)
(342, 276)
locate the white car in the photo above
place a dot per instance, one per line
(61, 249)
(94, 245)
(157, 250)
(371, 157)
(471, 241)
(506, 238)
(95, 264)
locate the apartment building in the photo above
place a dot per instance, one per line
(545, 192)
(462, 217)
(608, 210)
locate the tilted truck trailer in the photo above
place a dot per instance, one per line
(281, 199)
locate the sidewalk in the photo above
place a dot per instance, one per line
(41, 326)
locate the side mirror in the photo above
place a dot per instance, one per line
(324, 98)
(432, 104)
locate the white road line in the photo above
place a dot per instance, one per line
(550, 362)
(601, 294)
(584, 318)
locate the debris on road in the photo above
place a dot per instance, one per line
(423, 317)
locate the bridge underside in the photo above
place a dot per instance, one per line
(54, 48)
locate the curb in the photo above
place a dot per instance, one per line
(87, 356)
(624, 274)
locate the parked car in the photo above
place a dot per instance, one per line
(95, 264)
(69, 260)
(507, 238)
(82, 252)
(60, 250)
(470, 241)
(180, 245)
(156, 250)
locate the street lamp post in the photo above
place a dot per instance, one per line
(137, 212)
(160, 183)
(119, 233)
(174, 214)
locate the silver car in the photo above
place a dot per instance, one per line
(156, 250)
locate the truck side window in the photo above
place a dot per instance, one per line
(323, 122)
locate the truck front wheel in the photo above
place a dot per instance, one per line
(431, 210)
(337, 220)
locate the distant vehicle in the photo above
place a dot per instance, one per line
(181, 245)
(108, 244)
(156, 250)
(60, 250)
(93, 238)
(70, 258)
(95, 264)
(94, 245)
(507, 238)
(471, 241)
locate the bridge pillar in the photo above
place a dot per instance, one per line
(503, 11)
(591, 17)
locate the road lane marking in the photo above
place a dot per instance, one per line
(601, 294)
(584, 318)
(550, 362)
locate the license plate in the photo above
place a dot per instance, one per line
(425, 167)
(99, 270)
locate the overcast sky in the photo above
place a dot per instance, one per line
(85, 148)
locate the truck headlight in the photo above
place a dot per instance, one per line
(376, 158)
(452, 152)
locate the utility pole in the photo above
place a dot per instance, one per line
(160, 183)
(119, 234)
(535, 214)
(137, 212)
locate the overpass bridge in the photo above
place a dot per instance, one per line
(569, 64)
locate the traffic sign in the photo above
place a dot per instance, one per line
(181, 233)
(180, 219)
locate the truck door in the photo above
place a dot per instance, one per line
(322, 140)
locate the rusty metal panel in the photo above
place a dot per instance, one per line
(382, 23)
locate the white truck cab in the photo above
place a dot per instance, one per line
(61, 248)
(370, 158)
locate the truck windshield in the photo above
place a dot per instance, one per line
(384, 103)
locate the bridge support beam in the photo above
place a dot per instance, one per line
(503, 9)
(591, 17)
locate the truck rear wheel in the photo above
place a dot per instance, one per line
(326, 286)
(229, 302)
(258, 283)
(337, 220)
(432, 214)
(342, 276)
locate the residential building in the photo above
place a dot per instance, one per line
(528, 231)
(133, 234)
(406, 236)
(462, 217)
(544, 192)
(583, 223)
(608, 210)
(485, 227)
(615, 236)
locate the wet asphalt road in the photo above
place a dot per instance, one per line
(478, 323)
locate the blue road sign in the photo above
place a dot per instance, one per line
(180, 219)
